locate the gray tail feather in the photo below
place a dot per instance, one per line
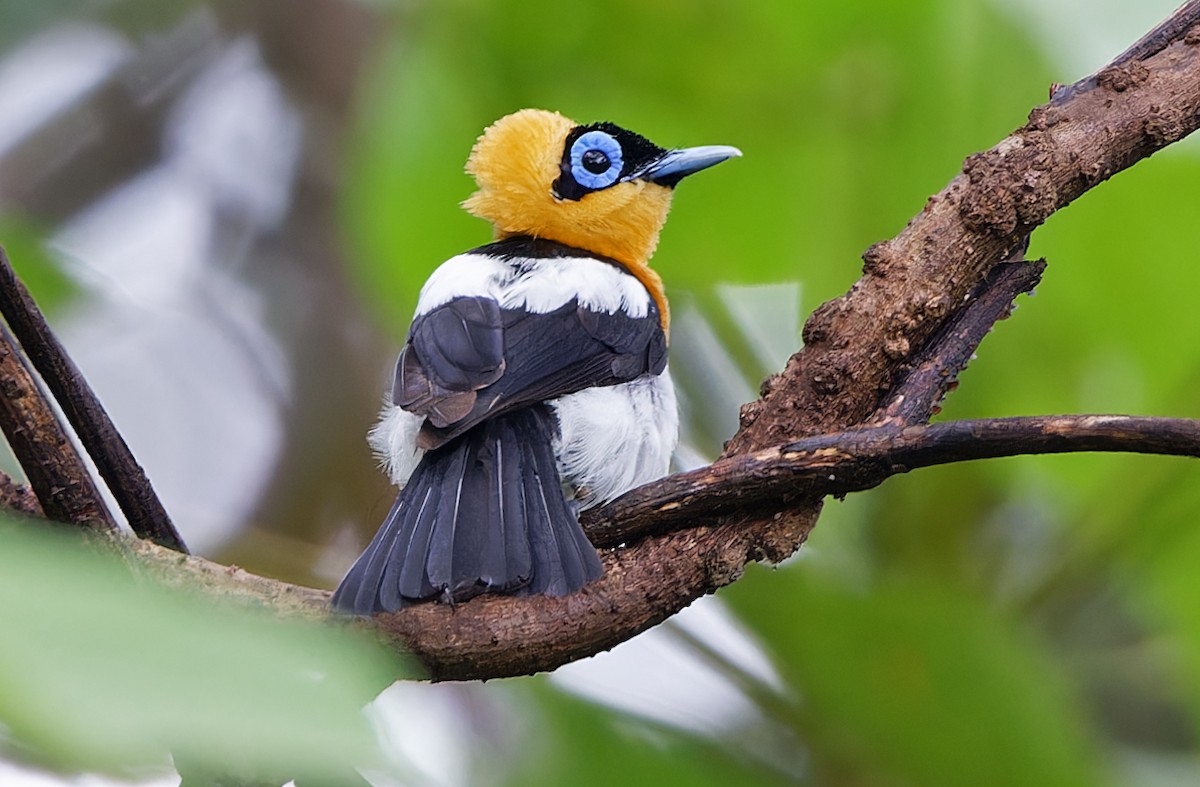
(482, 514)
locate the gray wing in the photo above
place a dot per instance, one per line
(469, 359)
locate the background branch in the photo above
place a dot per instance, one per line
(115, 462)
(57, 474)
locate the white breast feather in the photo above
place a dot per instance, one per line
(615, 438)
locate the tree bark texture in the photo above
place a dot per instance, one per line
(59, 478)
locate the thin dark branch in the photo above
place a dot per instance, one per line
(1175, 27)
(115, 462)
(919, 392)
(836, 464)
(57, 474)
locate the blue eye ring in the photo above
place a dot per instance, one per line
(589, 153)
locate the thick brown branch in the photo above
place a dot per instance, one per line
(856, 344)
(57, 474)
(483, 638)
(115, 462)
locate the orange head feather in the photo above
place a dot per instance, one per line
(518, 163)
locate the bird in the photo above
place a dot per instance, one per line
(533, 383)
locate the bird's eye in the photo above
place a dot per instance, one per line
(596, 160)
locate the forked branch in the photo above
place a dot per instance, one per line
(849, 409)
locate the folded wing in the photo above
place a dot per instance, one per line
(469, 359)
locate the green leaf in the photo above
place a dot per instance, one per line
(104, 671)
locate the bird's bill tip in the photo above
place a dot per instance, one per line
(677, 164)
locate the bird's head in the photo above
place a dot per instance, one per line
(597, 187)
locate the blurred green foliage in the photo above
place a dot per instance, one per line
(102, 670)
(578, 746)
(916, 683)
(843, 112)
(40, 275)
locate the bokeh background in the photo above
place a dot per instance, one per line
(227, 209)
